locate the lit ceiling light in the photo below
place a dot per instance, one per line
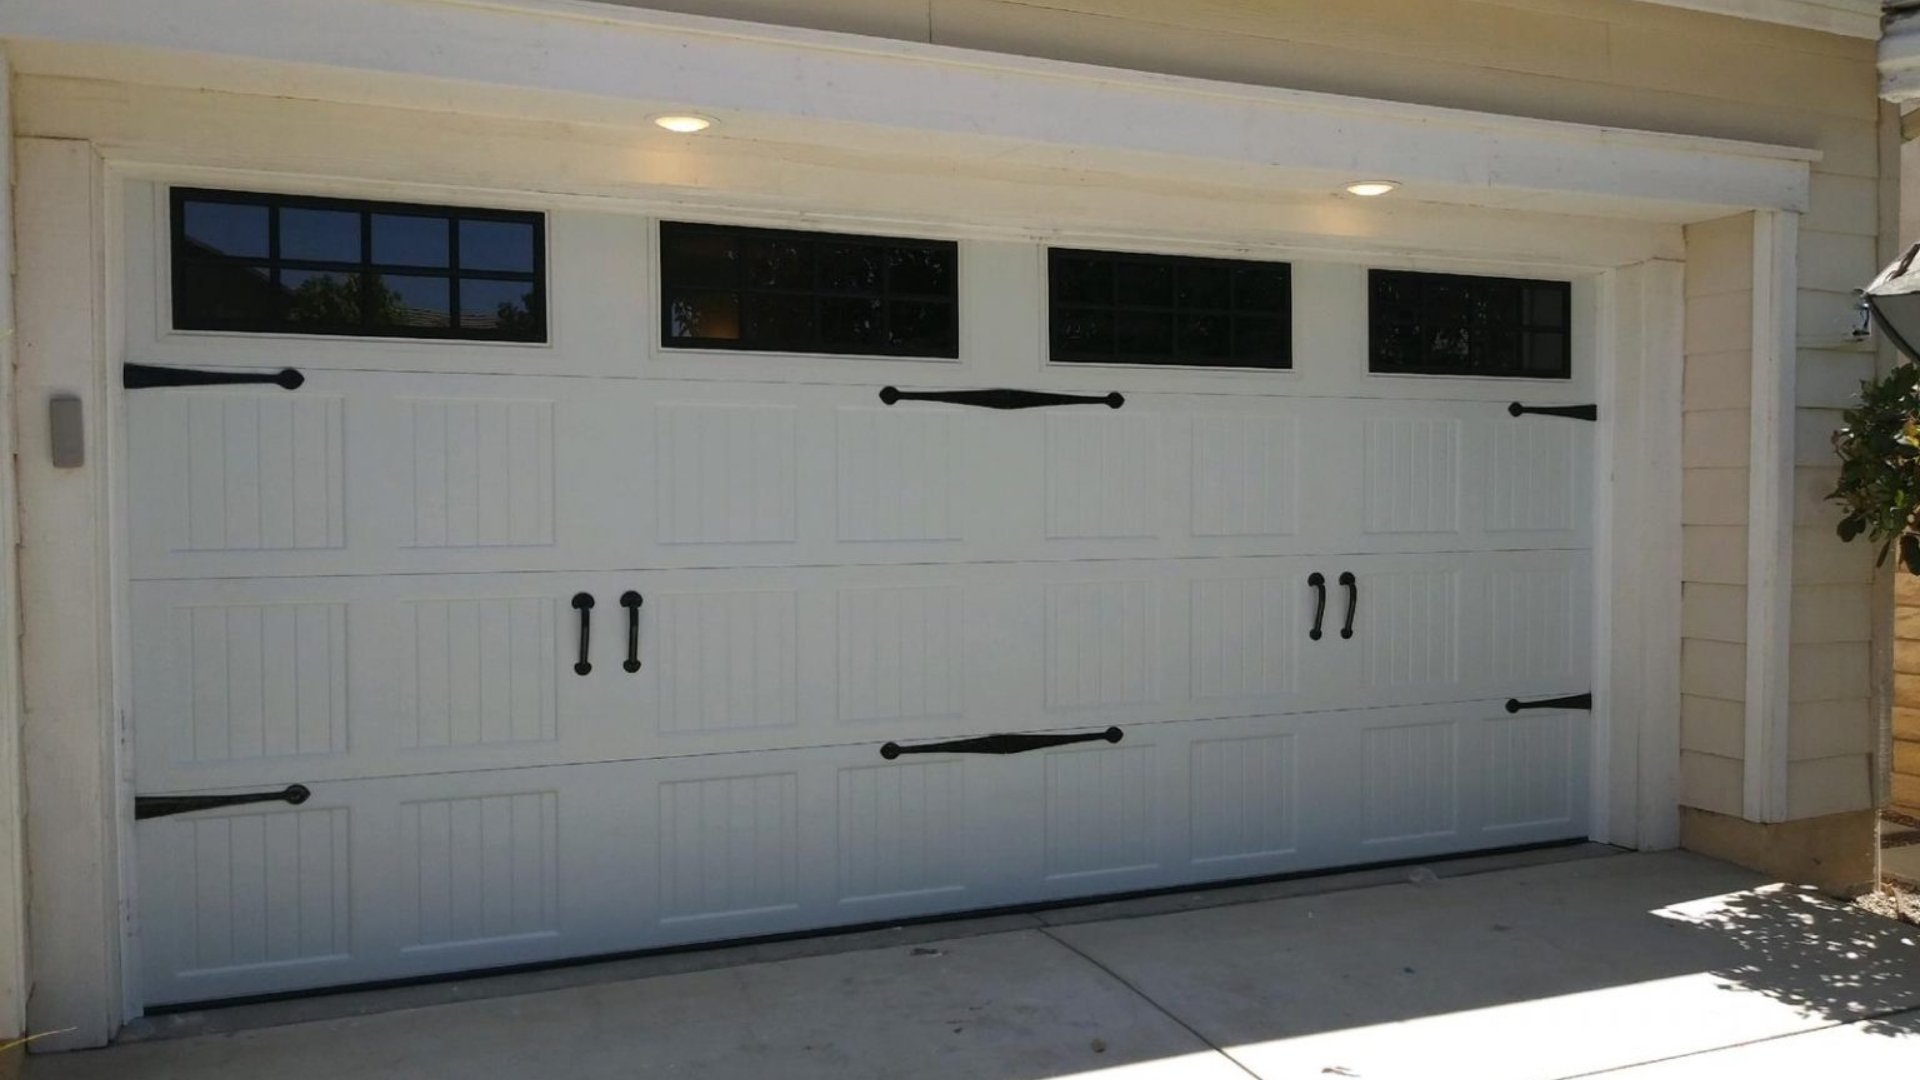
(1367, 189)
(683, 123)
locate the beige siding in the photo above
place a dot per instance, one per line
(1716, 413)
(1906, 694)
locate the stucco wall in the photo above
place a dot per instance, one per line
(1619, 63)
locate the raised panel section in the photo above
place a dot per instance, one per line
(1100, 476)
(1528, 759)
(898, 474)
(1101, 638)
(1530, 480)
(482, 473)
(1411, 475)
(727, 474)
(902, 653)
(1409, 625)
(262, 473)
(1530, 624)
(1100, 812)
(1245, 476)
(266, 680)
(1245, 637)
(1243, 794)
(728, 846)
(480, 869)
(480, 671)
(727, 660)
(1411, 782)
(264, 889)
(901, 830)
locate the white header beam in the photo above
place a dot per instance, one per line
(598, 63)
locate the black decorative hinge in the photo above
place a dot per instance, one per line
(1571, 412)
(1576, 701)
(147, 376)
(153, 806)
(999, 399)
(1000, 744)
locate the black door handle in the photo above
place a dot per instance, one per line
(999, 399)
(146, 376)
(153, 806)
(1574, 701)
(1317, 581)
(631, 601)
(1000, 744)
(1571, 412)
(1352, 585)
(583, 603)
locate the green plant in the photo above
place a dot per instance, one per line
(1879, 452)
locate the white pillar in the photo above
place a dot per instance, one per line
(69, 734)
(1637, 745)
(13, 876)
(1770, 462)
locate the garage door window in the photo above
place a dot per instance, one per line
(774, 290)
(1115, 308)
(265, 263)
(1456, 324)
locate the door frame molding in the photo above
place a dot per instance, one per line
(82, 928)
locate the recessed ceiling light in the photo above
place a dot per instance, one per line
(683, 123)
(1367, 189)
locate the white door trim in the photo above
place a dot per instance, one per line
(1770, 515)
(1637, 560)
(71, 731)
(13, 878)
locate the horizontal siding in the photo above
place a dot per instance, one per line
(1906, 694)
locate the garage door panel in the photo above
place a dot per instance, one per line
(1454, 476)
(736, 845)
(380, 879)
(587, 253)
(1436, 628)
(372, 473)
(246, 682)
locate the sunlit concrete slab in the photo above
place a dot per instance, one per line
(1546, 972)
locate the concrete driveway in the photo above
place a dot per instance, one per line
(1646, 967)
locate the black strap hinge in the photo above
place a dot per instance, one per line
(1571, 412)
(1000, 744)
(153, 806)
(1574, 701)
(148, 376)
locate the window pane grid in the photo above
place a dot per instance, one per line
(774, 290)
(1453, 324)
(1125, 308)
(421, 297)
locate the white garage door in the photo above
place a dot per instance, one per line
(372, 587)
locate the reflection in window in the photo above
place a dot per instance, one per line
(286, 264)
(1457, 324)
(1123, 308)
(769, 290)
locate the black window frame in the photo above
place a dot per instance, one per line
(1516, 322)
(1282, 313)
(184, 258)
(817, 294)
